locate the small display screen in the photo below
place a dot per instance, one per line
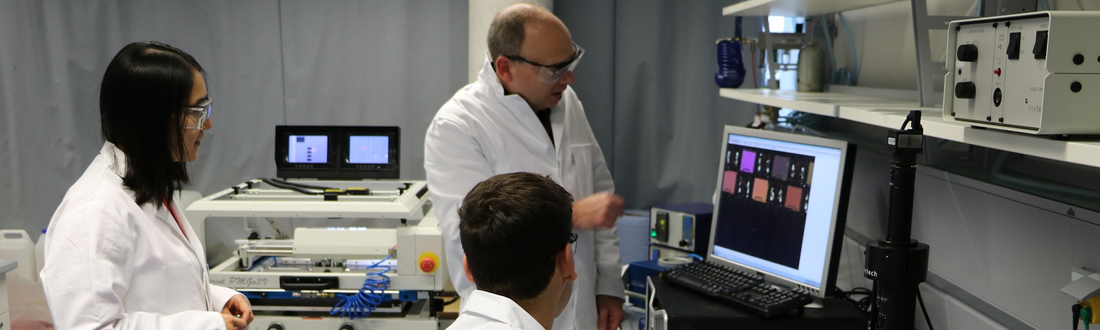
(368, 149)
(308, 149)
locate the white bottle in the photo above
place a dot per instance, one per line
(16, 245)
(40, 253)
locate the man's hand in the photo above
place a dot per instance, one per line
(611, 312)
(599, 210)
(237, 308)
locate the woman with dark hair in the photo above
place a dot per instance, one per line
(119, 253)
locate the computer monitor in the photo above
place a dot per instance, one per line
(780, 206)
(305, 151)
(371, 152)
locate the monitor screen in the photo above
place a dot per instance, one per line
(368, 149)
(307, 149)
(781, 202)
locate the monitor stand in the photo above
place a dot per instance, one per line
(818, 303)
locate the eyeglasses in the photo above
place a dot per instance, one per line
(198, 114)
(550, 74)
(573, 243)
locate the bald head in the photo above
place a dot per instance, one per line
(521, 21)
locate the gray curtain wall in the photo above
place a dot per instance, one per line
(647, 83)
(268, 63)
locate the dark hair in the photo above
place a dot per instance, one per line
(511, 227)
(141, 104)
(506, 32)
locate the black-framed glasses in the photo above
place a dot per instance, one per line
(198, 114)
(573, 243)
(549, 74)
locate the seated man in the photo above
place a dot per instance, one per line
(516, 230)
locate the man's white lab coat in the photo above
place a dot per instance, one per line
(487, 311)
(113, 264)
(480, 132)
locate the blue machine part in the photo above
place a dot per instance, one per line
(407, 295)
(637, 273)
(688, 231)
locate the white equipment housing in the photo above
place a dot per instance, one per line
(1031, 73)
(293, 282)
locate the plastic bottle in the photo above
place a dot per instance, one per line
(40, 253)
(16, 245)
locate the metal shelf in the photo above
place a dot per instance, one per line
(796, 7)
(890, 113)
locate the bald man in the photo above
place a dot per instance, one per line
(522, 116)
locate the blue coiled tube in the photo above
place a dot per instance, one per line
(361, 304)
(731, 67)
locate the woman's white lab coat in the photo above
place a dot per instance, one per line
(113, 264)
(481, 132)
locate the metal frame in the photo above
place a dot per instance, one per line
(404, 200)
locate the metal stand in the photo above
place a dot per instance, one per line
(897, 264)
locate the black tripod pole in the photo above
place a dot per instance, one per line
(899, 263)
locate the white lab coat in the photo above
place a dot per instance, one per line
(114, 264)
(483, 310)
(480, 132)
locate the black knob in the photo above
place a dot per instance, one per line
(967, 53)
(275, 326)
(347, 327)
(683, 243)
(965, 90)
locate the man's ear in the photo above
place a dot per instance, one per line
(504, 68)
(565, 263)
(466, 267)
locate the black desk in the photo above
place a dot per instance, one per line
(689, 310)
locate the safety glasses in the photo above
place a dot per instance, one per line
(197, 115)
(573, 243)
(549, 74)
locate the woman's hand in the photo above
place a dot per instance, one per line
(238, 308)
(232, 322)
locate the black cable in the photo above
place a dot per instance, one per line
(302, 185)
(290, 187)
(926, 319)
(453, 300)
(862, 304)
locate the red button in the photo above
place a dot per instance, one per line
(427, 265)
(997, 71)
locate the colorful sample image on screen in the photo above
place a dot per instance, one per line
(729, 182)
(794, 199)
(369, 149)
(760, 190)
(780, 167)
(308, 149)
(748, 161)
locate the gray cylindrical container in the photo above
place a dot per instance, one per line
(811, 69)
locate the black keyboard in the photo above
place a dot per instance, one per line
(744, 290)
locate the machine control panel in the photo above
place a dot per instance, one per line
(1028, 73)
